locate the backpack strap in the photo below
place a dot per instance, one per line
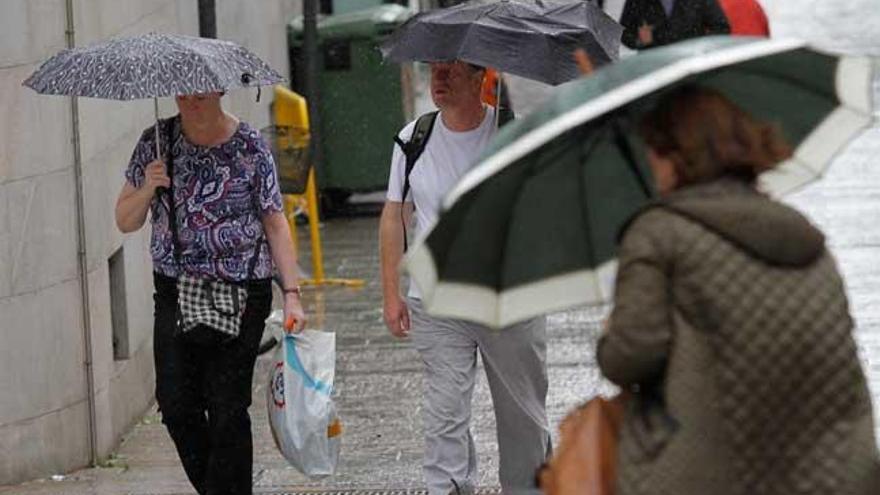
(412, 150)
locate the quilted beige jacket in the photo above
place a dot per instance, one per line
(732, 327)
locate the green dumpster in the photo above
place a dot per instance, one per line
(362, 102)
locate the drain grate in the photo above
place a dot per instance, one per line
(370, 491)
(350, 491)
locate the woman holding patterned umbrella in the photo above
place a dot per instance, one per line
(209, 184)
(229, 225)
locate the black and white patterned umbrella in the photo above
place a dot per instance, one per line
(150, 66)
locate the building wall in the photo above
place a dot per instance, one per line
(44, 414)
(262, 27)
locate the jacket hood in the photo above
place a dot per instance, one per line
(764, 228)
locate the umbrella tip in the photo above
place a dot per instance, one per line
(583, 61)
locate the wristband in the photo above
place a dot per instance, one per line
(292, 290)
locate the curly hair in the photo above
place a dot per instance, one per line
(707, 136)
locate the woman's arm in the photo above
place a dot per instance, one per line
(284, 255)
(636, 345)
(134, 203)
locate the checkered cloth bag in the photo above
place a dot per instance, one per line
(209, 310)
(213, 303)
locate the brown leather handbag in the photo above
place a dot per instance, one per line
(586, 461)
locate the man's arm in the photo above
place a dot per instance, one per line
(630, 20)
(391, 234)
(714, 19)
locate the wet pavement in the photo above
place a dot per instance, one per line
(378, 377)
(378, 384)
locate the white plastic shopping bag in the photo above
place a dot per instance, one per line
(302, 415)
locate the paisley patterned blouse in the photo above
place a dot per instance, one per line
(220, 192)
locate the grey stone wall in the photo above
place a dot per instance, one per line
(44, 425)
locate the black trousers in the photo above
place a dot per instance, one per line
(204, 392)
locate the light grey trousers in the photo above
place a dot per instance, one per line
(515, 362)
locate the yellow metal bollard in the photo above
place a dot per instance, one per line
(291, 112)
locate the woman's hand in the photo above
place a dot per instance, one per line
(133, 203)
(294, 316)
(155, 175)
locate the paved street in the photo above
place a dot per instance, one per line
(378, 378)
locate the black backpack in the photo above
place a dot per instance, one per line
(414, 148)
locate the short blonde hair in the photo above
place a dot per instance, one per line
(707, 136)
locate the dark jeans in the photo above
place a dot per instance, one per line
(204, 392)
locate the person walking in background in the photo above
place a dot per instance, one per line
(226, 203)
(731, 326)
(746, 17)
(514, 358)
(651, 23)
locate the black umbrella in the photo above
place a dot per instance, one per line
(535, 39)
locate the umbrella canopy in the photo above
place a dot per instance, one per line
(533, 227)
(149, 66)
(535, 39)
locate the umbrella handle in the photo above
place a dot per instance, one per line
(156, 113)
(159, 190)
(498, 101)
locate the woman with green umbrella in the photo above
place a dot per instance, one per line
(730, 324)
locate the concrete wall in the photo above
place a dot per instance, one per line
(44, 409)
(262, 27)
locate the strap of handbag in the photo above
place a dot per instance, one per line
(170, 135)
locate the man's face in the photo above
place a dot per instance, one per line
(454, 82)
(192, 105)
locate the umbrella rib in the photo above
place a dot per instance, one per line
(586, 151)
(500, 288)
(629, 156)
(792, 81)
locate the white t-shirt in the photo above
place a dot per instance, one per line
(446, 158)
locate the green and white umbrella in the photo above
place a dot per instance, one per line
(533, 227)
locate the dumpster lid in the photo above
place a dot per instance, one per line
(366, 23)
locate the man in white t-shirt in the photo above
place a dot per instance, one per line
(514, 357)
